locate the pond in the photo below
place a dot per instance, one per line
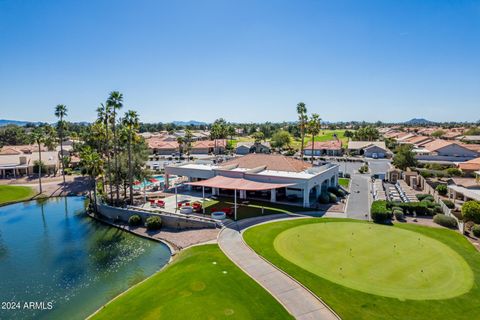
(58, 263)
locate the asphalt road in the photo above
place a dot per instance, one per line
(379, 166)
(358, 205)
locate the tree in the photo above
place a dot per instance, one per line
(281, 138)
(37, 136)
(471, 211)
(104, 118)
(131, 124)
(404, 158)
(92, 165)
(314, 126)
(188, 141)
(302, 119)
(438, 133)
(218, 131)
(60, 113)
(366, 133)
(115, 101)
(348, 134)
(258, 136)
(180, 142)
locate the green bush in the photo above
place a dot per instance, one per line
(399, 215)
(471, 211)
(419, 208)
(332, 198)
(442, 189)
(153, 223)
(397, 209)
(134, 220)
(340, 193)
(324, 198)
(379, 211)
(425, 196)
(476, 230)
(454, 172)
(449, 204)
(445, 221)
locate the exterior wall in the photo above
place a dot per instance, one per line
(323, 152)
(165, 152)
(168, 220)
(243, 150)
(199, 151)
(192, 173)
(455, 150)
(381, 153)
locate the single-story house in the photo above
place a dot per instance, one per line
(252, 147)
(296, 179)
(464, 189)
(469, 139)
(324, 148)
(417, 140)
(370, 149)
(20, 160)
(443, 150)
(162, 147)
(470, 165)
(217, 146)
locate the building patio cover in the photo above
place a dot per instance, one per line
(237, 184)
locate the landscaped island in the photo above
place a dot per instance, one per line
(369, 271)
(202, 283)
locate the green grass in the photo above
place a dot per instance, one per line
(253, 208)
(201, 283)
(10, 194)
(344, 182)
(377, 280)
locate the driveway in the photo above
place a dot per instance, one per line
(358, 205)
(379, 166)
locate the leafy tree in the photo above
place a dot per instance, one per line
(404, 158)
(471, 211)
(302, 123)
(258, 136)
(130, 122)
(366, 133)
(92, 165)
(281, 138)
(60, 113)
(438, 133)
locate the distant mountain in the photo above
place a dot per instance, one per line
(418, 121)
(4, 122)
(189, 123)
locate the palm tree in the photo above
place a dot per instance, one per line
(115, 101)
(37, 137)
(188, 141)
(103, 115)
(131, 124)
(314, 126)
(60, 113)
(92, 164)
(180, 142)
(302, 118)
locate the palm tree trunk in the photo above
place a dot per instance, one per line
(109, 168)
(302, 133)
(40, 167)
(313, 145)
(117, 183)
(61, 151)
(94, 194)
(130, 175)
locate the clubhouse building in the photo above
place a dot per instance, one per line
(261, 176)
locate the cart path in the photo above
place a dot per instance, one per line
(299, 301)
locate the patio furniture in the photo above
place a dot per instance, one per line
(161, 203)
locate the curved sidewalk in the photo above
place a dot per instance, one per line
(299, 301)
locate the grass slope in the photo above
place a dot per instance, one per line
(202, 283)
(10, 194)
(344, 182)
(355, 304)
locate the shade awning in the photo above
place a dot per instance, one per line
(237, 184)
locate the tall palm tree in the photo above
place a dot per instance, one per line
(37, 137)
(104, 115)
(60, 113)
(314, 126)
(115, 101)
(302, 118)
(188, 141)
(92, 164)
(180, 142)
(131, 124)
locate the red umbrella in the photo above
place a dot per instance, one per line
(136, 182)
(153, 180)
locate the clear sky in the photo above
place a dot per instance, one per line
(242, 60)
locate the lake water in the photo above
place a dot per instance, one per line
(52, 252)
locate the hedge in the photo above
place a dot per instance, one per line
(399, 215)
(324, 198)
(445, 221)
(379, 211)
(476, 230)
(332, 198)
(442, 189)
(135, 220)
(449, 204)
(420, 208)
(424, 196)
(153, 223)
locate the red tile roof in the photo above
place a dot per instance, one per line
(270, 162)
(472, 165)
(325, 145)
(155, 143)
(203, 144)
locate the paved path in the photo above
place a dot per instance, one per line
(358, 201)
(299, 301)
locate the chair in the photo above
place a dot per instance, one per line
(161, 203)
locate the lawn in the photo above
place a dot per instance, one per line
(10, 194)
(201, 283)
(344, 182)
(253, 208)
(369, 271)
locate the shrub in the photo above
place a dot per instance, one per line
(419, 208)
(153, 223)
(454, 172)
(347, 175)
(445, 221)
(449, 204)
(336, 191)
(399, 215)
(324, 198)
(340, 193)
(476, 230)
(442, 189)
(397, 209)
(426, 196)
(332, 198)
(379, 211)
(471, 211)
(134, 220)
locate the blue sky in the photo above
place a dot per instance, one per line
(242, 60)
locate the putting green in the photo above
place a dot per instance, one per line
(377, 259)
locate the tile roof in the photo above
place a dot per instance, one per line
(270, 162)
(417, 139)
(436, 144)
(155, 143)
(325, 145)
(202, 144)
(363, 144)
(471, 165)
